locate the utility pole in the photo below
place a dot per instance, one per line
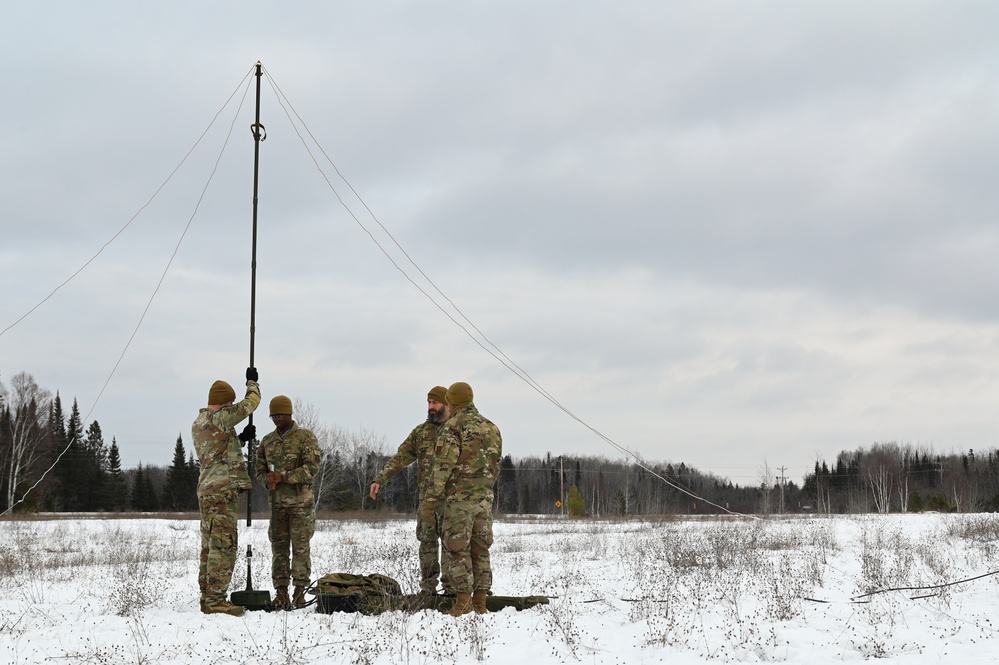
(782, 469)
(561, 485)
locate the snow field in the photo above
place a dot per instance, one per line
(678, 590)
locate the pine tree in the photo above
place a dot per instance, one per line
(57, 443)
(179, 493)
(506, 487)
(94, 466)
(118, 494)
(74, 428)
(57, 425)
(143, 495)
(193, 475)
(135, 499)
(71, 469)
(149, 492)
(194, 471)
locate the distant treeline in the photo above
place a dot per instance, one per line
(56, 464)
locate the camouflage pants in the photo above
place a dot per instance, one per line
(219, 541)
(291, 528)
(467, 535)
(428, 532)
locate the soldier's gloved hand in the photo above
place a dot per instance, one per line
(248, 434)
(273, 478)
(427, 509)
(251, 374)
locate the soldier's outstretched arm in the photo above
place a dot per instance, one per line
(404, 456)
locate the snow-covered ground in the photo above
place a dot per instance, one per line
(682, 591)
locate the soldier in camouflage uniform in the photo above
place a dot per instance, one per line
(287, 462)
(466, 463)
(223, 477)
(419, 447)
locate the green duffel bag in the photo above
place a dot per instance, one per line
(347, 592)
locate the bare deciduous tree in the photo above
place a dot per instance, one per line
(349, 459)
(28, 406)
(330, 467)
(766, 476)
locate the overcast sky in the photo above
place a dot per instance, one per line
(723, 233)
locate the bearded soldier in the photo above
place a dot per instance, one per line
(419, 447)
(223, 476)
(466, 463)
(287, 463)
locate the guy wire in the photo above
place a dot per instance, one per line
(137, 212)
(504, 360)
(159, 283)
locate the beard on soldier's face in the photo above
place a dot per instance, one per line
(436, 415)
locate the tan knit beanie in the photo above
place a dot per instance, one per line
(220, 393)
(281, 405)
(458, 394)
(437, 394)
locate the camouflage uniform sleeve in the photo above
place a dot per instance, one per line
(445, 457)
(406, 455)
(310, 454)
(240, 411)
(495, 453)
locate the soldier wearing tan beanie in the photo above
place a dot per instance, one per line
(419, 447)
(223, 476)
(466, 463)
(287, 463)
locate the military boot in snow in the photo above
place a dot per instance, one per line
(222, 607)
(281, 599)
(479, 601)
(462, 605)
(299, 600)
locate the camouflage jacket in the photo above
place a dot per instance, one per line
(418, 447)
(223, 467)
(295, 455)
(466, 458)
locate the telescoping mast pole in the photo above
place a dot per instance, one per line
(250, 599)
(259, 134)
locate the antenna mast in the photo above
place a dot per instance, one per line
(251, 599)
(259, 134)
